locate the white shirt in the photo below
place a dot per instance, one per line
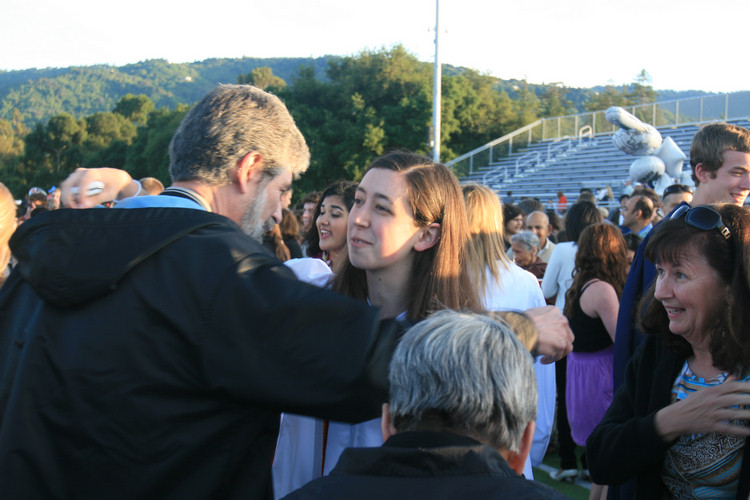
(559, 274)
(546, 253)
(518, 290)
(300, 455)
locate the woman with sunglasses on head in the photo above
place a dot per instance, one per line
(679, 423)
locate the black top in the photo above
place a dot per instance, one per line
(591, 336)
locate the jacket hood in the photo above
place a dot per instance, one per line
(72, 256)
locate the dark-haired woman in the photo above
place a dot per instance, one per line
(325, 238)
(513, 224)
(557, 279)
(680, 422)
(591, 305)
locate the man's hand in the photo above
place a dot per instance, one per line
(88, 187)
(555, 338)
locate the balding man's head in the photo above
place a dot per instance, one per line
(538, 223)
(639, 212)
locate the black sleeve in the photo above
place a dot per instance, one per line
(289, 346)
(625, 443)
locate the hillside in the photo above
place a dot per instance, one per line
(81, 91)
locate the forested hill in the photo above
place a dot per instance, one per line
(39, 94)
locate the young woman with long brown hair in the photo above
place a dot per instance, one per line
(407, 238)
(591, 305)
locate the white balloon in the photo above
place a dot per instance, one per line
(636, 143)
(646, 169)
(672, 156)
(623, 119)
(662, 183)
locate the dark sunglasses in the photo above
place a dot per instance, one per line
(676, 188)
(705, 218)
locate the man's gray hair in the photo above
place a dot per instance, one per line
(227, 124)
(464, 373)
(526, 239)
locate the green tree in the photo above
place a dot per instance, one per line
(103, 128)
(554, 102)
(11, 143)
(526, 105)
(473, 113)
(47, 145)
(369, 104)
(610, 96)
(641, 91)
(135, 108)
(149, 153)
(263, 78)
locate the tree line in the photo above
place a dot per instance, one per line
(362, 107)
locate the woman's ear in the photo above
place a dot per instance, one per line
(429, 236)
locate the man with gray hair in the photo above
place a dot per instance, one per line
(149, 355)
(459, 424)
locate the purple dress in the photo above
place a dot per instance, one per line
(589, 390)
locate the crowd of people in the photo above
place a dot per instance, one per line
(403, 335)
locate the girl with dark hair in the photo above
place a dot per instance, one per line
(557, 278)
(591, 306)
(326, 236)
(513, 224)
(559, 273)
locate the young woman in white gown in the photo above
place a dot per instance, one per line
(503, 286)
(407, 244)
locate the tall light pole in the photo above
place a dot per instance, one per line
(436, 89)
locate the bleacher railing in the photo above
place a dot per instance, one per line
(677, 112)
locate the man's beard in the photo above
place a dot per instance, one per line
(252, 223)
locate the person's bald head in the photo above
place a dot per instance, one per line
(538, 223)
(638, 213)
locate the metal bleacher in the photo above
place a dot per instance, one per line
(539, 160)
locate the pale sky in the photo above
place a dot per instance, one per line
(683, 44)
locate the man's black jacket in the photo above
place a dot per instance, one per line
(147, 353)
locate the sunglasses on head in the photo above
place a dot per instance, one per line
(676, 188)
(704, 218)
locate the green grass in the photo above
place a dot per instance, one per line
(574, 491)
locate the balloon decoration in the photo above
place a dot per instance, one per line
(660, 161)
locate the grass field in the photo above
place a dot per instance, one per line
(551, 462)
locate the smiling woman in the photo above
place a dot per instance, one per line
(687, 390)
(326, 239)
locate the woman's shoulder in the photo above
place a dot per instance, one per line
(596, 292)
(310, 270)
(597, 286)
(517, 289)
